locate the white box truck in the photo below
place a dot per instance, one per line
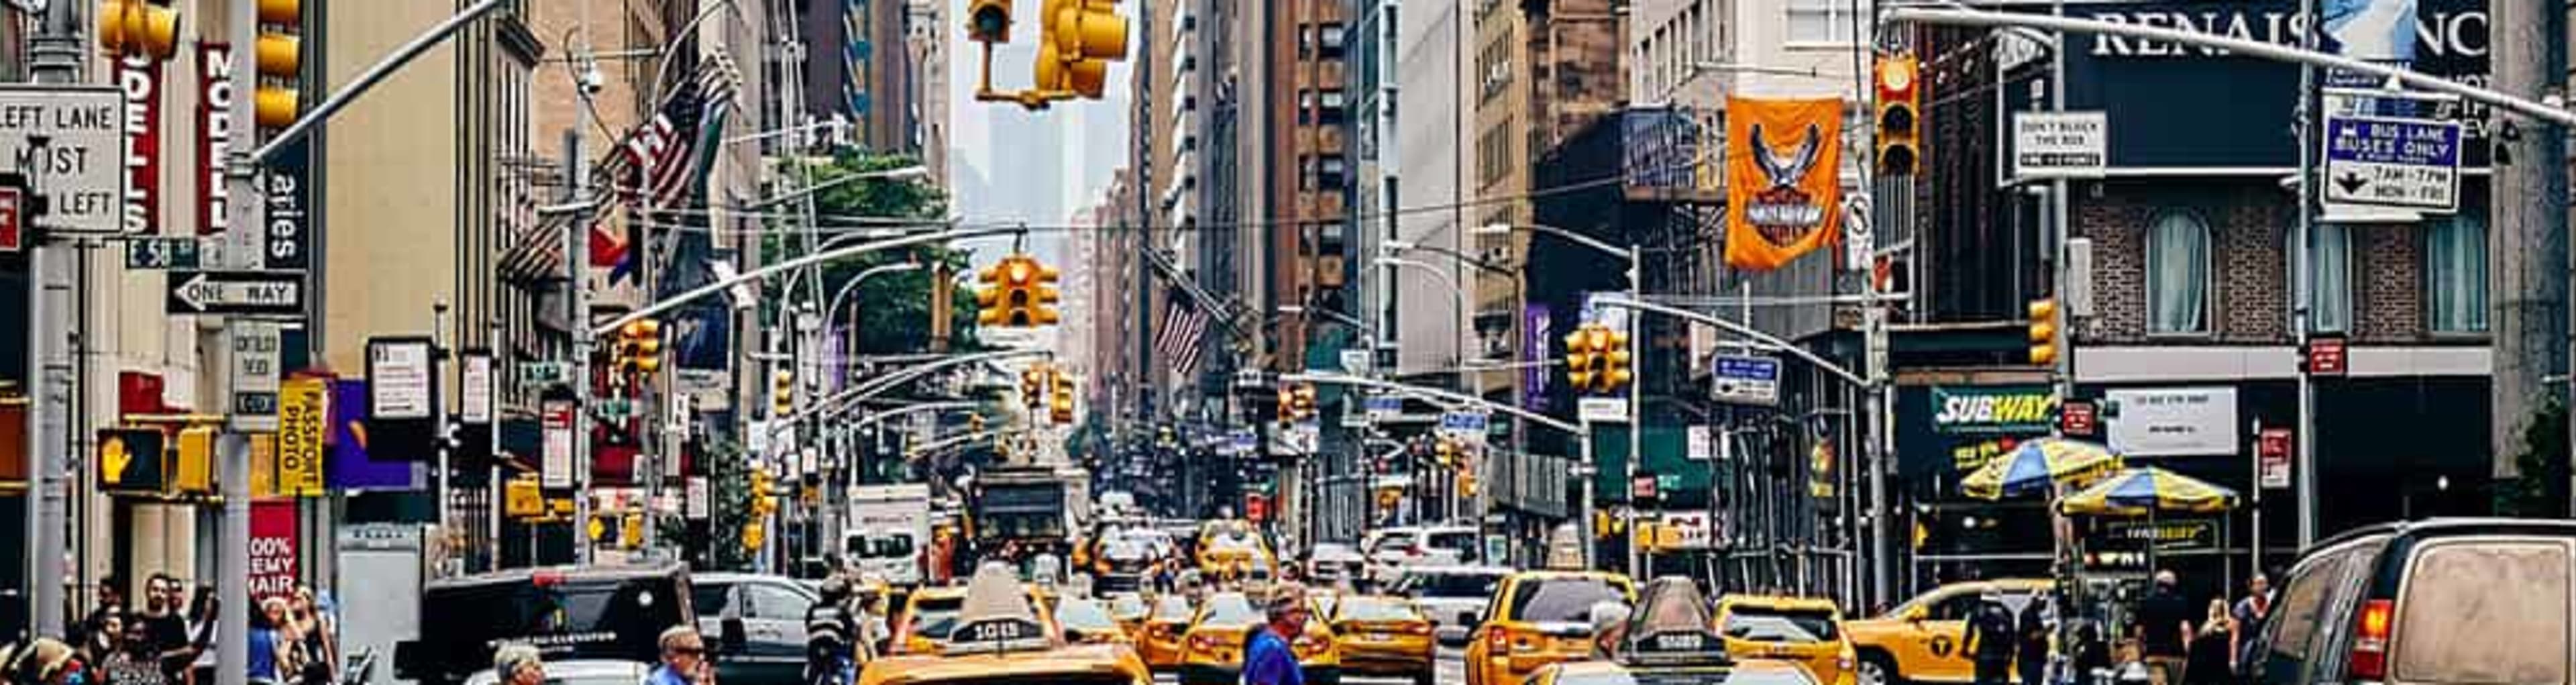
(888, 530)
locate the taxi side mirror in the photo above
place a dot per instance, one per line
(730, 637)
(1917, 613)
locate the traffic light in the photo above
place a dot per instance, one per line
(1304, 401)
(988, 21)
(280, 58)
(782, 393)
(1033, 386)
(753, 534)
(194, 473)
(1287, 406)
(630, 530)
(2043, 331)
(1581, 361)
(1900, 108)
(1614, 356)
(1446, 451)
(1077, 39)
(1596, 359)
(1017, 293)
(1062, 407)
(137, 28)
(642, 345)
(763, 501)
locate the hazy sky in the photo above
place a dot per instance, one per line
(1093, 137)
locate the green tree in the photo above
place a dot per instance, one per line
(889, 313)
(2541, 490)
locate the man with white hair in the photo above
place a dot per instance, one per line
(1267, 660)
(1609, 626)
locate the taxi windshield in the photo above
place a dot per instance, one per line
(1377, 609)
(1562, 600)
(1230, 609)
(1171, 609)
(933, 617)
(1235, 541)
(1084, 614)
(1775, 624)
(1127, 605)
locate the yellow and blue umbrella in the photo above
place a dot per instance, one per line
(2039, 464)
(2146, 490)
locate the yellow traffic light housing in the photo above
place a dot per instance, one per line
(763, 500)
(1303, 399)
(2043, 331)
(1061, 407)
(1076, 42)
(1596, 358)
(1286, 408)
(1033, 385)
(989, 310)
(1580, 359)
(137, 28)
(988, 21)
(280, 58)
(1614, 367)
(644, 344)
(194, 474)
(1900, 106)
(782, 393)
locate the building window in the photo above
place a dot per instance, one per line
(1329, 109)
(2330, 278)
(2455, 274)
(1820, 21)
(2178, 274)
(1332, 40)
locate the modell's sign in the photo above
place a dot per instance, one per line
(2159, 93)
(1783, 183)
(1989, 410)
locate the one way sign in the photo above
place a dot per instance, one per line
(236, 292)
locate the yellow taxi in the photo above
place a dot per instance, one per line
(1596, 672)
(1159, 640)
(1920, 640)
(1381, 636)
(1805, 630)
(1004, 642)
(1129, 610)
(1232, 549)
(930, 614)
(1087, 621)
(1212, 650)
(1538, 618)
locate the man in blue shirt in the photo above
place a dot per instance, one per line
(1267, 660)
(684, 659)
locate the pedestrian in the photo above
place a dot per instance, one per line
(1991, 639)
(111, 602)
(2208, 662)
(518, 664)
(315, 629)
(42, 661)
(135, 661)
(2164, 624)
(268, 644)
(684, 659)
(830, 633)
(2245, 619)
(1267, 660)
(201, 637)
(2092, 654)
(2031, 656)
(1609, 627)
(103, 639)
(169, 630)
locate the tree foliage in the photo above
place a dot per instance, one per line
(888, 313)
(2541, 489)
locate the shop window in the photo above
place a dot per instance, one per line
(2455, 274)
(2178, 281)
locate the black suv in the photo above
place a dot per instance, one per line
(567, 613)
(2439, 601)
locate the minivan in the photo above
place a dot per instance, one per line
(2440, 601)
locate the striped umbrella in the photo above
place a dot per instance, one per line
(2038, 464)
(2146, 490)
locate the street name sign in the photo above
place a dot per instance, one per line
(1464, 425)
(70, 141)
(158, 252)
(1604, 409)
(2060, 144)
(1745, 379)
(2397, 162)
(255, 347)
(1385, 407)
(272, 293)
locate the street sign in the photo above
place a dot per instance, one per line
(2272, 456)
(13, 219)
(398, 378)
(476, 405)
(81, 169)
(303, 417)
(1690, 529)
(2392, 162)
(276, 293)
(2077, 418)
(2325, 356)
(544, 373)
(556, 472)
(1356, 362)
(1703, 443)
(2060, 144)
(1609, 409)
(1385, 407)
(1745, 379)
(255, 346)
(1641, 487)
(158, 252)
(1464, 425)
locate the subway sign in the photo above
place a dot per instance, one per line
(1992, 409)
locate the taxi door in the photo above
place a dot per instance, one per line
(1936, 651)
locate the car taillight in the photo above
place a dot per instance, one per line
(1497, 639)
(2370, 640)
(1202, 642)
(1418, 628)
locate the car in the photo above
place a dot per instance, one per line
(1231, 549)
(1453, 596)
(1538, 618)
(2439, 601)
(930, 615)
(1753, 672)
(1159, 641)
(580, 672)
(1087, 621)
(1129, 610)
(1393, 549)
(1331, 564)
(1212, 649)
(771, 610)
(1002, 637)
(1382, 636)
(1801, 629)
(610, 612)
(1920, 640)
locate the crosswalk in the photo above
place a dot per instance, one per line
(1447, 669)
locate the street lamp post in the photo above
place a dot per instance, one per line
(832, 310)
(1636, 356)
(1447, 493)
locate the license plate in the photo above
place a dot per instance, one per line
(1679, 642)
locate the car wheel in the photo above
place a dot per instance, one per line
(1428, 676)
(1877, 669)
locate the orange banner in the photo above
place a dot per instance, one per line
(1783, 185)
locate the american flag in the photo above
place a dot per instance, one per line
(662, 155)
(1184, 323)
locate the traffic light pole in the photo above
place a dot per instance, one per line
(57, 60)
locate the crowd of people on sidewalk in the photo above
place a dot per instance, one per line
(169, 638)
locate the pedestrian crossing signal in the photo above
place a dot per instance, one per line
(130, 461)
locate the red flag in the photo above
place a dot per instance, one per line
(605, 249)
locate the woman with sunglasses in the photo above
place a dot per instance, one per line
(137, 659)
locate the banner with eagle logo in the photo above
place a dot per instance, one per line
(1783, 185)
